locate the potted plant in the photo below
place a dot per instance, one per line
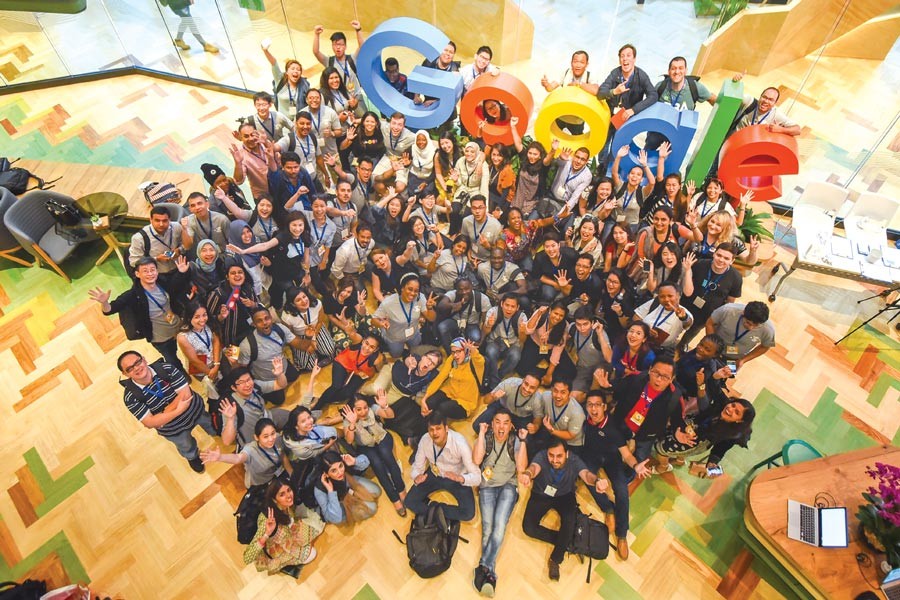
(879, 518)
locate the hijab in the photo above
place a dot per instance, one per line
(235, 229)
(424, 156)
(211, 267)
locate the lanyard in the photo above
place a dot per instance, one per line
(573, 174)
(291, 96)
(499, 275)
(705, 247)
(317, 120)
(437, 454)
(360, 363)
(516, 400)
(360, 252)
(677, 99)
(507, 323)
(275, 461)
(628, 198)
(308, 147)
(156, 302)
(556, 417)
(315, 435)
(156, 389)
(260, 407)
(206, 338)
(753, 120)
(579, 346)
(460, 267)
(318, 235)
(737, 328)
(428, 219)
(274, 340)
(645, 396)
(344, 67)
(496, 453)
(266, 229)
(308, 318)
(477, 231)
(659, 318)
(631, 364)
(299, 247)
(292, 189)
(710, 284)
(359, 184)
(709, 206)
(403, 308)
(266, 129)
(208, 234)
(160, 240)
(391, 138)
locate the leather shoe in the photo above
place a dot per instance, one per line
(622, 548)
(553, 569)
(197, 465)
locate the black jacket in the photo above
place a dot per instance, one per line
(640, 95)
(133, 307)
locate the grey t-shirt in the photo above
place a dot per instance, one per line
(160, 306)
(404, 318)
(726, 318)
(448, 269)
(214, 228)
(515, 401)
(495, 279)
(505, 330)
(474, 311)
(570, 417)
(268, 347)
(395, 146)
(491, 229)
(563, 481)
(502, 465)
(262, 464)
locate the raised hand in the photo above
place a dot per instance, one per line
(665, 149)
(601, 377)
(330, 159)
(381, 398)
(623, 151)
(235, 249)
(691, 188)
(642, 157)
(562, 278)
(701, 376)
(430, 303)
(211, 455)
(689, 260)
(326, 483)
(317, 368)
(98, 295)
(271, 524)
(348, 414)
(227, 408)
(235, 152)
(754, 242)
(482, 429)
(277, 366)
(181, 264)
(620, 89)
(513, 121)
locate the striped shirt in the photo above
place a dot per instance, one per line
(154, 397)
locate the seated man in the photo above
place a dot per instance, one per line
(394, 166)
(554, 260)
(204, 224)
(554, 473)
(353, 256)
(161, 240)
(301, 141)
(665, 316)
(585, 287)
(517, 395)
(716, 283)
(504, 336)
(501, 455)
(160, 398)
(746, 330)
(587, 348)
(443, 462)
(500, 277)
(484, 229)
(262, 346)
(244, 405)
(460, 313)
(454, 392)
(557, 416)
(606, 448)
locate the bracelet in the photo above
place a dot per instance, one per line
(701, 387)
(353, 428)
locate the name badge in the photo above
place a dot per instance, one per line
(620, 217)
(487, 473)
(637, 418)
(435, 470)
(544, 349)
(409, 332)
(345, 233)
(321, 251)
(311, 168)
(507, 342)
(731, 350)
(461, 323)
(362, 268)
(321, 140)
(699, 302)
(550, 490)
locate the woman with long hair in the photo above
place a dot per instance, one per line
(449, 264)
(615, 306)
(303, 316)
(720, 228)
(290, 85)
(534, 164)
(350, 370)
(631, 354)
(229, 305)
(345, 309)
(519, 237)
(619, 251)
(365, 138)
(502, 183)
(584, 238)
(445, 160)
(200, 345)
(284, 533)
(342, 497)
(669, 267)
(546, 337)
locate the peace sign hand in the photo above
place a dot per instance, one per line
(270, 522)
(429, 304)
(754, 242)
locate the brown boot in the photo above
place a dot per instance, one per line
(553, 570)
(622, 548)
(181, 44)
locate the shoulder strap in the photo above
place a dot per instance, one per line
(351, 62)
(254, 347)
(292, 140)
(146, 239)
(744, 113)
(692, 84)
(661, 86)
(330, 61)
(474, 374)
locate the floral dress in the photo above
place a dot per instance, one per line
(288, 545)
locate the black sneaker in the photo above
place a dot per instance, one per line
(553, 570)
(480, 578)
(197, 465)
(490, 585)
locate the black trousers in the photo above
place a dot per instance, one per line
(540, 504)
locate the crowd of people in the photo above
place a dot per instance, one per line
(586, 325)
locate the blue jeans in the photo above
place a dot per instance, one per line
(493, 353)
(448, 330)
(185, 442)
(548, 293)
(417, 498)
(396, 349)
(496, 505)
(384, 464)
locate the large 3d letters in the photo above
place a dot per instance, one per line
(717, 125)
(678, 126)
(503, 88)
(754, 158)
(572, 101)
(426, 40)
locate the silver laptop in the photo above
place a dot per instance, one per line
(822, 527)
(891, 585)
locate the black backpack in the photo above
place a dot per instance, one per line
(692, 86)
(254, 345)
(248, 511)
(214, 404)
(431, 542)
(16, 179)
(30, 589)
(590, 538)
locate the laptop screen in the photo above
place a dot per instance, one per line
(833, 528)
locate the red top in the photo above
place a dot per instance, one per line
(635, 418)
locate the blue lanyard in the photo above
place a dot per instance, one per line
(266, 129)
(708, 280)
(155, 301)
(573, 174)
(290, 95)
(275, 340)
(344, 67)
(507, 323)
(156, 389)
(556, 417)
(292, 189)
(308, 317)
(428, 220)
(580, 346)
(753, 120)
(308, 148)
(360, 252)
(500, 274)
(476, 231)
(314, 435)
(403, 308)
(208, 234)
(160, 240)
(317, 121)
(658, 323)
(628, 198)
(260, 407)
(437, 454)
(737, 328)
(460, 267)
(365, 190)
(275, 461)
(266, 229)
(709, 207)
(677, 99)
(318, 235)
(705, 247)
(391, 138)
(299, 247)
(206, 339)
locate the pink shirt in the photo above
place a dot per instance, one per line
(256, 171)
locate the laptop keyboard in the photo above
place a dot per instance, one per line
(808, 524)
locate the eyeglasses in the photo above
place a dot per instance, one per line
(244, 381)
(659, 375)
(134, 365)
